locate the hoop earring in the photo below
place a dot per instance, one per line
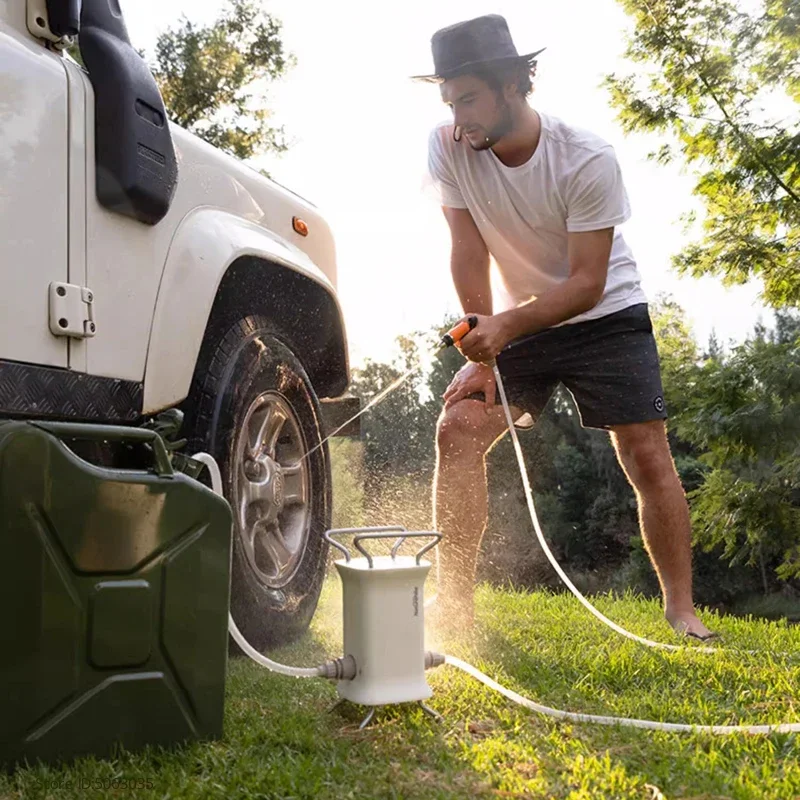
(456, 130)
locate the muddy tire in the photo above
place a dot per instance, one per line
(254, 409)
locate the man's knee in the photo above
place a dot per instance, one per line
(463, 428)
(645, 454)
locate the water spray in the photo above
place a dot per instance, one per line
(383, 612)
(448, 340)
(385, 661)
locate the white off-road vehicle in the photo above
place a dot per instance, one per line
(146, 277)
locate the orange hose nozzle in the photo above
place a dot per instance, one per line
(457, 333)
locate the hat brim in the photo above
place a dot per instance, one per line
(467, 66)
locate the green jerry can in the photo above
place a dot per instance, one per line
(115, 586)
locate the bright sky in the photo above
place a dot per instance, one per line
(360, 127)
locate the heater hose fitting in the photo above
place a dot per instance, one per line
(339, 669)
(434, 659)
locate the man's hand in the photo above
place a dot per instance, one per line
(487, 339)
(472, 378)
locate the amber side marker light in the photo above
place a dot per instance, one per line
(300, 226)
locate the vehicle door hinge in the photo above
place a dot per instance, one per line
(40, 27)
(72, 311)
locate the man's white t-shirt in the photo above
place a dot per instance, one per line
(572, 183)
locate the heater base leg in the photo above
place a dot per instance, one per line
(372, 709)
(430, 712)
(367, 719)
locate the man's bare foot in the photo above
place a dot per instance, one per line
(688, 624)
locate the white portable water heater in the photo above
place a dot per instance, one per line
(384, 618)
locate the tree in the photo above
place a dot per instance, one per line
(395, 436)
(744, 412)
(677, 352)
(705, 71)
(214, 78)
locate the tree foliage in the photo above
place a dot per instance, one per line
(725, 83)
(214, 78)
(743, 413)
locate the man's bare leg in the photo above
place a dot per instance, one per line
(643, 451)
(466, 432)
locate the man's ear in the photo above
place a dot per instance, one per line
(510, 92)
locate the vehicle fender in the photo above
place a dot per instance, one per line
(206, 243)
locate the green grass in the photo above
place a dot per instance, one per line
(281, 741)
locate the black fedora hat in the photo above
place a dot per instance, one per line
(459, 47)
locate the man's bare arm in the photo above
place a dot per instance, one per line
(588, 259)
(469, 262)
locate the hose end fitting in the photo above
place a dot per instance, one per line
(433, 659)
(339, 669)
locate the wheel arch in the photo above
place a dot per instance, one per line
(221, 268)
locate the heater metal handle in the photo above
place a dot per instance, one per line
(381, 531)
(406, 535)
(437, 538)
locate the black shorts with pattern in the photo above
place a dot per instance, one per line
(610, 366)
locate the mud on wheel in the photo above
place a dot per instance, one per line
(253, 408)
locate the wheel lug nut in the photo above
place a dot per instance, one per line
(253, 470)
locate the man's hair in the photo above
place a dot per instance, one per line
(500, 75)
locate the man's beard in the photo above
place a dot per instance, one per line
(501, 129)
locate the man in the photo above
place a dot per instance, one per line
(545, 200)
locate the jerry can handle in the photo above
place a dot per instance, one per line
(78, 430)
